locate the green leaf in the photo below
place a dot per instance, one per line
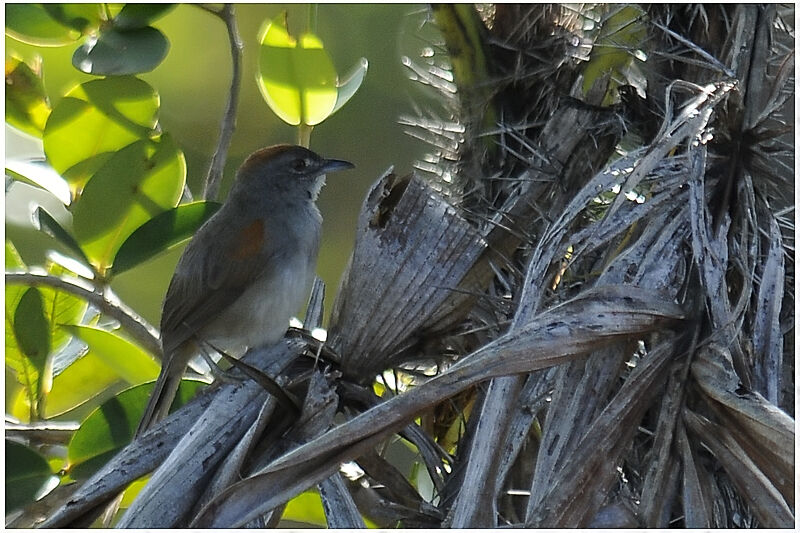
(27, 107)
(95, 119)
(32, 24)
(162, 232)
(351, 83)
(36, 317)
(44, 222)
(80, 17)
(135, 16)
(305, 508)
(39, 174)
(27, 473)
(130, 362)
(26, 373)
(84, 379)
(28, 355)
(61, 307)
(621, 36)
(31, 329)
(296, 77)
(134, 185)
(23, 368)
(117, 52)
(13, 259)
(111, 427)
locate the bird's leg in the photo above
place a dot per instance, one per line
(216, 371)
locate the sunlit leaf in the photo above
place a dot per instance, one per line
(28, 353)
(70, 264)
(84, 379)
(27, 107)
(305, 508)
(31, 328)
(80, 17)
(134, 185)
(32, 24)
(13, 259)
(27, 473)
(111, 427)
(132, 492)
(96, 119)
(161, 233)
(23, 369)
(351, 83)
(61, 307)
(39, 174)
(45, 223)
(23, 321)
(133, 16)
(296, 77)
(116, 52)
(130, 362)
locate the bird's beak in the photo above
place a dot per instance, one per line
(332, 165)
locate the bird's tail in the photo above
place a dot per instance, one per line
(161, 398)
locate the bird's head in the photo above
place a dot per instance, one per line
(287, 169)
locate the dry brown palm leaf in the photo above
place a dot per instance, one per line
(764, 431)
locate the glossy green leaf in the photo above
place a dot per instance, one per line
(22, 318)
(84, 379)
(111, 427)
(18, 404)
(296, 77)
(117, 52)
(32, 24)
(135, 16)
(347, 88)
(305, 508)
(39, 174)
(24, 370)
(80, 17)
(61, 308)
(31, 328)
(161, 233)
(27, 473)
(13, 259)
(130, 362)
(27, 107)
(22, 367)
(137, 183)
(45, 223)
(31, 347)
(96, 119)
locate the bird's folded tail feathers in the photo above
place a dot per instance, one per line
(160, 400)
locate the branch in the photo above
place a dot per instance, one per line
(142, 332)
(214, 176)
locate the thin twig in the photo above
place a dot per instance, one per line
(214, 176)
(142, 332)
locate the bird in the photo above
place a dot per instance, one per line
(248, 268)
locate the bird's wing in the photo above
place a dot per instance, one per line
(232, 258)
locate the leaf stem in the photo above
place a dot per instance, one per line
(107, 11)
(312, 18)
(304, 134)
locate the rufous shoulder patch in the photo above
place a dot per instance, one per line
(250, 240)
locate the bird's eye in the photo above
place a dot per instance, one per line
(300, 165)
